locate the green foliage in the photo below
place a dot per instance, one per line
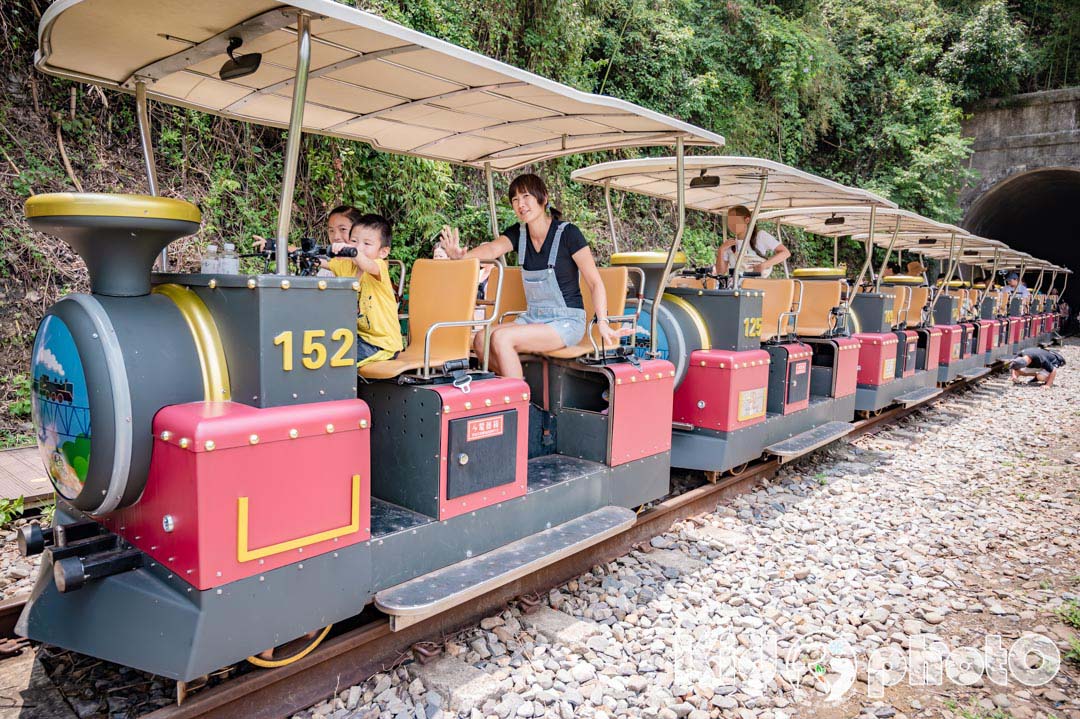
(20, 405)
(10, 509)
(1073, 653)
(1069, 612)
(991, 55)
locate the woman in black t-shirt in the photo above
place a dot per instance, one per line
(552, 253)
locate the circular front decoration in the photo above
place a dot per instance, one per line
(61, 407)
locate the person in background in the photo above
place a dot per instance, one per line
(1039, 364)
(764, 252)
(1015, 286)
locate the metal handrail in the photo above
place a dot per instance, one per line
(400, 291)
(905, 307)
(792, 314)
(627, 317)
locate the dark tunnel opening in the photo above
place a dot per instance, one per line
(1037, 212)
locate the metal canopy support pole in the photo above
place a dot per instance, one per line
(292, 146)
(493, 215)
(988, 284)
(1038, 282)
(749, 230)
(888, 251)
(836, 251)
(869, 250)
(680, 215)
(952, 266)
(143, 115)
(610, 216)
(780, 239)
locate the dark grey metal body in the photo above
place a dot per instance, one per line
(155, 344)
(705, 449)
(947, 310)
(150, 619)
(872, 310)
(725, 313)
(249, 318)
(871, 399)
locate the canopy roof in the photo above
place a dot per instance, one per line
(739, 183)
(840, 221)
(371, 80)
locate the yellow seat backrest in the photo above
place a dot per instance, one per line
(819, 297)
(439, 291)
(779, 296)
(919, 297)
(513, 292)
(615, 280)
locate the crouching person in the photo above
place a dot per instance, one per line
(1039, 364)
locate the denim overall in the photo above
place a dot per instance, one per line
(546, 304)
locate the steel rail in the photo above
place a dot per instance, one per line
(352, 657)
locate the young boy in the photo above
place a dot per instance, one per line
(377, 324)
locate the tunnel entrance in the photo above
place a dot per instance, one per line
(1037, 212)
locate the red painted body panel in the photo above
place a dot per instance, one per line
(877, 358)
(907, 347)
(950, 344)
(295, 487)
(847, 365)
(987, 332)
(733, 387)
(933, 347)
(641, 409)
(484, 397)
(1015, 329)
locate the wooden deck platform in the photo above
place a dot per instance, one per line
(23, 475)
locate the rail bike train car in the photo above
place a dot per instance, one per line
(235, 484)
(229, 482)
(763, 365)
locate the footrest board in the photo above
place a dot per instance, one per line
(809, 440)
(974, 374)
(920, 395)
(417, 599)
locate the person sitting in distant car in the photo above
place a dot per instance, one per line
(1039, 364)
(1015, 286)
(764, 252)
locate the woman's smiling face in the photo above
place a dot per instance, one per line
(526, 207)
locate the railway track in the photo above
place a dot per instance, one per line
(369, 647)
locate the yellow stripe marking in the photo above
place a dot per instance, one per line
(215, 370)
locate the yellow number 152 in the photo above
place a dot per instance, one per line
(314, 351)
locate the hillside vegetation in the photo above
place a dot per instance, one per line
(866, 92)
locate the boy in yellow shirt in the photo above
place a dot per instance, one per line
(377, 324)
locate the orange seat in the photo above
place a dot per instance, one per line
(440, 291)
(615, 279)
(920, 296)
(513, 293)
(819, 298)
(779, 297)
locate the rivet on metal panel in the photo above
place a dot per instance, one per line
(721, 365)
(184, 442)
(329, 429)
(487, 402)
(701, 404)
(293, 434)
(446, 408)
(322, 284)
(672, 373)
(633, 378)
(285, 284)
(363, 424)
(251, 283)
(525, 396)
(647, 377)
(468, 405)
(506, 399)
(166, 436)
(736, 294)
(356, 286)
(168, 524)
(212, 284)
(253, 439)
(299, 566)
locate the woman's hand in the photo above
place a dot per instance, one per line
(611, 336)
(258, 242)
(451, 242)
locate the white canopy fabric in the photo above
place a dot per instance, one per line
(854, 221)
(371, 80)
(739, 183)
